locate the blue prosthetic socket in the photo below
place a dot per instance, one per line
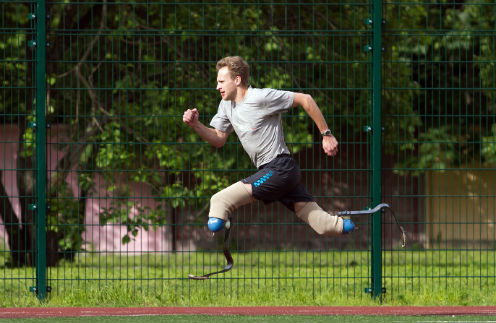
(215, 224)
(348, 226)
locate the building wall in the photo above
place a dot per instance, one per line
(460, 207)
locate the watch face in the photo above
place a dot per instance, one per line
(327, 133)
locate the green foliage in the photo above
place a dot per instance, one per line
(443, 55)
(64, 218)
(121, 74)
(489, 147)
(133, 216)
(437, 150)
(29, 142)
(15, 68)
(162, 61)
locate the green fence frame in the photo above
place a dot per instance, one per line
(376, 148)
(41, 168)
(381, 28)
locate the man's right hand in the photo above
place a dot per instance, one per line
(190, 117)
(213, 136)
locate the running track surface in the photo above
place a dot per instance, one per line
(37, 312)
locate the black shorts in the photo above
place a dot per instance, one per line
(279, 180)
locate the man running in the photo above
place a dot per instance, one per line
(255, 115)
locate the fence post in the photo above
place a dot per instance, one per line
(376, 237)
(40, 210)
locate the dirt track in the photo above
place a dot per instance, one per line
(35, 312)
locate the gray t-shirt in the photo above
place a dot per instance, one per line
(257, 122)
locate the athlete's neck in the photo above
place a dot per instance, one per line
(240, 94)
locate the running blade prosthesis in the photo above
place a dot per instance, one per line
(227, 254)
(374, 210)
(228, 227)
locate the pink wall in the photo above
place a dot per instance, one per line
(99, 238)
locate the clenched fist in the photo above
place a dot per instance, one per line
(190, 117)
(330, 145)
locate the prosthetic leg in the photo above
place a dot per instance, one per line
(227, 254)
(222, 204)
(228, 225)
(374, 210)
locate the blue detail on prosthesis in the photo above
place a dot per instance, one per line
(215, 224)
(348, 226)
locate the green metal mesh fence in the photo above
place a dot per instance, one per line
(438, 146)
(128, 184)
(17, 168)
(124, 75)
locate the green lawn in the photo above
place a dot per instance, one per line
(444, 277)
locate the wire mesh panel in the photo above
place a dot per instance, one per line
(17, 162)
(439, 146)
(129, 184)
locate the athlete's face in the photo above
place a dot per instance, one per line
(226, 85)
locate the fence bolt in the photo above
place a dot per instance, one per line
(368, 21)
(32, 16)
(367, 129)
(32, 124)
(32, 43)
(367, 48)
(34, 289)
(369, 290)
(33, 207)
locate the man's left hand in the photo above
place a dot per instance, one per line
(330, 145)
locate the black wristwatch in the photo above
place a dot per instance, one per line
(327, 133)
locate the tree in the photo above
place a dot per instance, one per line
(443, 57)
(119, 76)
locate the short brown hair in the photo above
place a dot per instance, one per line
(237, 67)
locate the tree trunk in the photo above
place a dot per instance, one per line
(25, 188)
(16, 240)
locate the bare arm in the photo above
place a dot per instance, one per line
(213, 136)
(329, 143)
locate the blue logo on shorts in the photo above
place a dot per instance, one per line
(263, 179)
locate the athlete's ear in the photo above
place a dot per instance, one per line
(237, 80)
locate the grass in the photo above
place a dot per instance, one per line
(261, 278)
